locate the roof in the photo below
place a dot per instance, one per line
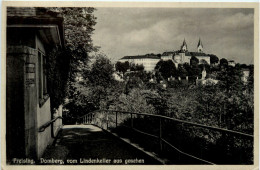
(141, 57)
(39, 18)
(184, 43)
(200, 43)
(196, 54)
(167, 53)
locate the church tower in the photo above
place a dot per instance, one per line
(184, 46)
(200, 47)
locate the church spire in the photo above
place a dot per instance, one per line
(184, 42)
(184, 46)
(200, 46)
(200, 43)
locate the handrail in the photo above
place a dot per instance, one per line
(44, 126)
(86, 118)
(181, 121)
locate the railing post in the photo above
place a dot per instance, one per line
(132, 125)
(116, 119)
(160, 134)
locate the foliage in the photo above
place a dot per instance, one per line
(135, 101)
(65, 63)
(101, 72)
(230, 79)
(194, 61)
(58, 67)
(122, 66)
(90, 93)
(223, 62)
(213, 59)
(136, 67)
(182, 72)
(166, 68)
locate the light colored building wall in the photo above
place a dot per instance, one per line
(148, 63)
(44, 138)
(165, 58)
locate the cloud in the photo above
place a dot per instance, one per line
(236, 21)
(228, 33)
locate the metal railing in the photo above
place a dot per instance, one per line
(44, 126)
(104, 118)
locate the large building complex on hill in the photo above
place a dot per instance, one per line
(181, 56)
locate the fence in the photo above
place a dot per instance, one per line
(167, 131)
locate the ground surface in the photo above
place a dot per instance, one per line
(87, 144)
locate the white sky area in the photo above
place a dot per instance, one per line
(227, 33)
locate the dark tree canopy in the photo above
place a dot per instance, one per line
(166, 68)
(78, 28)
(136, 67)
(122, 66)
(101, 72)
(204, 62)
(223, 62)
(65, 63)
(182, 72)
(231, 79)
(213, 59)
(194, 61)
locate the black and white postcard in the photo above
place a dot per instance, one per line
(104, 85)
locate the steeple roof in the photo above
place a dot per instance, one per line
(184, 43)
(200, 43)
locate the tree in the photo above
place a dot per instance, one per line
(230, 79)
(181, 72)
(223, 62)
(58, 68)
(250, 82)
(213, 59)
(136, 67)
(101, 73)
(204, 62)
(78, 28)
(194, 61)
(166, 68)
(64, 64)
(195, 70)
(134, 101)
(122, 67)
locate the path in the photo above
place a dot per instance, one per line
(88, 144)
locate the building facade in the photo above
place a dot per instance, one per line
(149, 61)
(181, 56)
(31, 33)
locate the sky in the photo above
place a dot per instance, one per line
(227, 33)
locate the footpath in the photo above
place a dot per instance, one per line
(90, 145)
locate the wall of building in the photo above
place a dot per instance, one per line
(22, 99)
(148, 63)
(15, 142)
(44, 138)
(43, 111)
(58, 123)
(165, 58)
(25, 116)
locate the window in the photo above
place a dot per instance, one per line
(42, 86)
